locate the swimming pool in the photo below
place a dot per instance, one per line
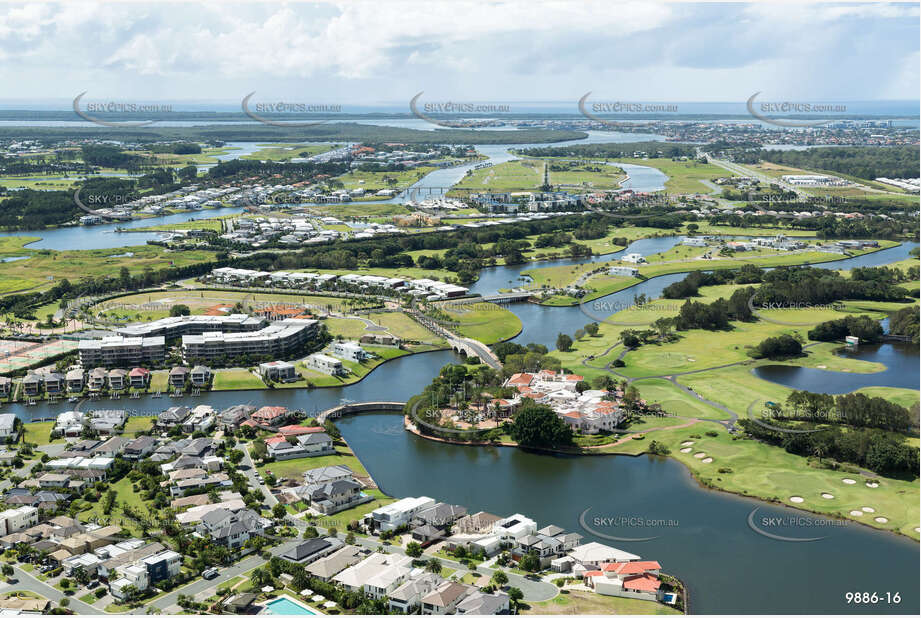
(286, 607)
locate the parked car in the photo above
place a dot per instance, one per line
(210, 573)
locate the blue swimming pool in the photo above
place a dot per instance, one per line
(287, 607)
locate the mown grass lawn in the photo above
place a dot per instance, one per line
(578, 602)
(236, 379)
(486, 322)
(295, 468)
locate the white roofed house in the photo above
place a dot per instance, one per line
(7, 426)
(324, 364)
(70, 423)
(377, 575)
(593, 555)
(305, 445)
(399, 513)
(200, 376)
(349, 350)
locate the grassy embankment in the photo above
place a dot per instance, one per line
(739, 465)
(678, 259)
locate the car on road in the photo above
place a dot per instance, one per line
(210, 573)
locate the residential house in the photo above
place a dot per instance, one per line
(139, 377)
(234, 415)
(324, 364)
(593, 555)
(637, 580)
(231, 529)
(178, 376)
(307, 445)
(444, 599)
(326, 568)
(312, 549)
(408, 596)
(378, 575)
(173, 416)
(349, 350)
(201, 419)
(335, 496)
(8, 425)
(401, 512)
(483, 604)
(270, 416)
(279, 371)
(118, 379)
(54, 383)
(70, 423)
(139, 448)
(200, 376)
(14, 520)
(75, 380)
(97, 379)
(6, 386)
(32, 385)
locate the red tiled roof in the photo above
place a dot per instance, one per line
(588, 574)
(139, 371)
(520, 379)
(631, 568)
(297, 430)
(274, 440)
(269, 412)
(574, 378)
(644, 583)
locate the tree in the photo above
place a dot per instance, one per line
(413, 549)
(563, 342)
(591, 328)
(515, 594)
(235, 456)
(178, 310)
(499, 578)
(260, 577)
(260, 451)
(538, 425)
(279, 511)
(433, 566)
(530, 563)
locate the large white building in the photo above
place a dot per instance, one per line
(392, 516)
(116, 350)
(279, 338)
(193, 325)
(14, 520)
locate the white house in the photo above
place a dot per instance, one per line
(623, 271)
(349, 350)
(394, 515)
(324, 364)
(633, 258)
(14, 520)
(7, 426)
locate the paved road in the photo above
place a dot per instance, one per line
(226, 574)
(28, 582)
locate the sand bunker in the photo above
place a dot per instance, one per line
(881, 520)
(872, 485)
(848, 481)
(827, 496)
(868, 509)
(796, 499)
(856, 513)
(700, 455)
(688, 443)
(686, 450)
(821, 367)
(707, 460)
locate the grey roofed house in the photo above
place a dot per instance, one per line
(541, 543)
(482, 604)
(234, 415)
(7, 424)
(113, 446)
(440, 515)
(312, 549)
(173, 416)
(550, 530)
(199, 447)
(330, 565)
(327, 474)
(238, 603)
(415, 589)
(427, 533)
(139, 447)
(187, 461)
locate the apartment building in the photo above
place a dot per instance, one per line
(178, 326)
(119, 351)
(280, 338)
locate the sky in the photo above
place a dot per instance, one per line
(387, 51)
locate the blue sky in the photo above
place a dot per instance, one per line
(386, 51)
